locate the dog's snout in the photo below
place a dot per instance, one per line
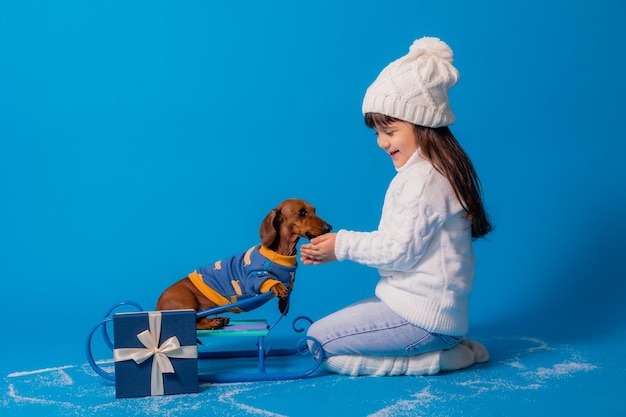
(326, 228)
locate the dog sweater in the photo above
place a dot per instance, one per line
(245, 275)
(422, 250)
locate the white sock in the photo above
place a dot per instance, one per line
(463, 355)
(480, 351)
(373, 365)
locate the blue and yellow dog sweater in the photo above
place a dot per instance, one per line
(245, 275)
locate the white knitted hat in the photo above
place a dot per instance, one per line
(414, 88)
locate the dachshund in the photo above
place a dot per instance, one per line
(268, 266)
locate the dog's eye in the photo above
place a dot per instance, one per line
(302, 213)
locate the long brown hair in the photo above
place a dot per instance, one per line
(441, 148)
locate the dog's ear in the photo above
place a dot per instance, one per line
(268, 230)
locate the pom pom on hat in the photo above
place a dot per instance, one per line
(414, 88)
(432, 46)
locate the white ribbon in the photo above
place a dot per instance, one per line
(161, 363)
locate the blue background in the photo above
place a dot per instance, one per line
(139, 140)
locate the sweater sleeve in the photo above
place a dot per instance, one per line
(414, 209)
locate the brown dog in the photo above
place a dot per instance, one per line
(268, 266)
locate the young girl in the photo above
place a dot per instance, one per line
(416, 323)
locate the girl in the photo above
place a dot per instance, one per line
(416, 323)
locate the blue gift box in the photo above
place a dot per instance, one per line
(155, 353)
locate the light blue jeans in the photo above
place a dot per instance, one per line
(369, 327)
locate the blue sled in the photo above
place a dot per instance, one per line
(236, 328)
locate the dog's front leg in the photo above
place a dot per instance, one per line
(282, 293)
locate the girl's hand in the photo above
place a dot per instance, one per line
(320, 250)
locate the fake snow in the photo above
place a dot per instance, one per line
(518, 366)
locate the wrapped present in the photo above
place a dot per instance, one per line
(155, 353)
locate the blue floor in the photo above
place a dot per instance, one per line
(527, 375)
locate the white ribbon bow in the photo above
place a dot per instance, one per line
(161, 363)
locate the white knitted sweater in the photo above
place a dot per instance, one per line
(422, 250)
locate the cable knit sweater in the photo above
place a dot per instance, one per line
(422, 250)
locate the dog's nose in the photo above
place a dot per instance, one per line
(327, 228)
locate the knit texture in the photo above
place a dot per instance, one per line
(422, 250)
(244, 275)
(370, 365)
(414, 88)
(463, 355)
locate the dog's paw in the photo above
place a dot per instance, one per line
(223, 321)
(213, 323)
(280, 290)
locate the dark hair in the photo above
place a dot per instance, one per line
(441, 148)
